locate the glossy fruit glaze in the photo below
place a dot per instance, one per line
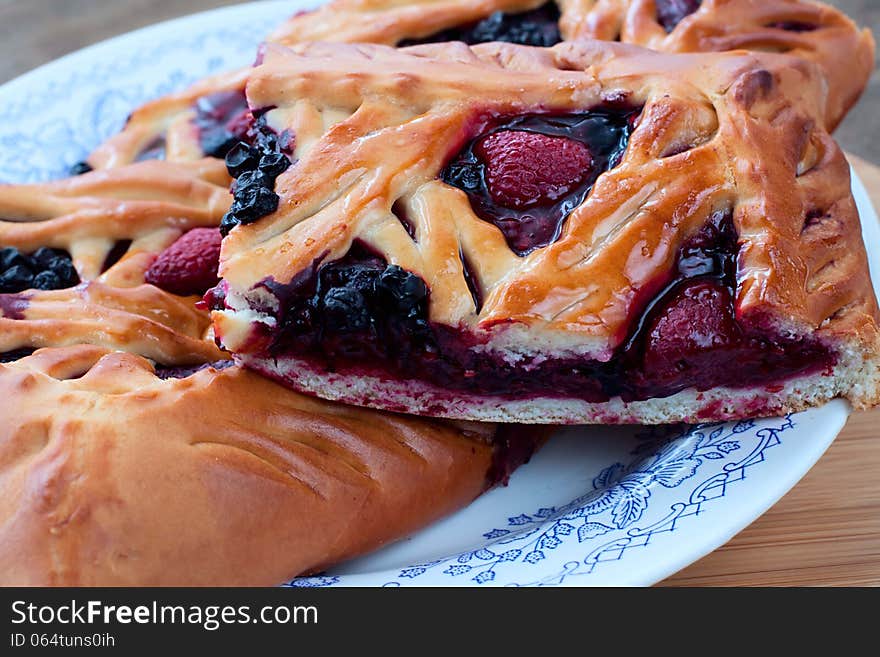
(538, 27)
(535, 152)
(361, 316)
(223, 119)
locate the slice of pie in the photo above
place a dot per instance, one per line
(134, 452)
(588, 233)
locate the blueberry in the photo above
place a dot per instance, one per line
(360, 276)
(274, 164)
(44, 256)
(465, 176)
(345, 310)
(63, 268)
(241, 158)
(16, 279)
(403, 291)
(10, 256)
(228, 222)
(254, 203)
(251, 181)
(47, 280)
(80, 168)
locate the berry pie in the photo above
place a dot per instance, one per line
(807, 29)
(212, 116)
(588, 233)
(113, 386)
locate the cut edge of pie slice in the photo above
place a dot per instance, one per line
(588, 233)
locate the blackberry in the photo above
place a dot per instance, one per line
(63, 268)
(529, 29)
(45, 269)
(16, 279)
(255, 168)
(401, 291)
(252, 203)
(345, 311)
(466, 176)
(228, 222)
(10, 257)
(538, 27)
(46, 280)
(274, 164)
(251, 181)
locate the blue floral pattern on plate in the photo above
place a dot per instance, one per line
(600, 517)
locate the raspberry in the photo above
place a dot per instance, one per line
(700, 319)
(528, 168)
(189, 266)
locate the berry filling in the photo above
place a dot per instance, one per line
(189, 266)
(44, 269)
(223, 119)
(538, 27)
(15, 354)
(672, 12)
(256, 164)
(363, 316)
(526, 175)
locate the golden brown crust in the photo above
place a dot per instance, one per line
(836, 45)
(730, 131)
(111, 475)
(222, 478)
(845, 53)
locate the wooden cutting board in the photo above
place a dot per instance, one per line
(826, 531)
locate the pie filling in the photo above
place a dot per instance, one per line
(526, 175)
(538, 27)
(44, 269)
(361, 316)
(672, 12)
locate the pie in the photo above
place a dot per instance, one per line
(810, 30)
(211, 116)
(588, 233)
(134, 452)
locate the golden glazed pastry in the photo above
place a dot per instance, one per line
(589, 233)
(807, 29)
(210, 117)
(134, 452)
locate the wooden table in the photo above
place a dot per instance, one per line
(826, 531)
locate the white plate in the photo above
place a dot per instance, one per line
(598, 506)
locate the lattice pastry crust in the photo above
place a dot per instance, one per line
(724, 133)
(844, 53)
(129, 442)
(811, 30)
